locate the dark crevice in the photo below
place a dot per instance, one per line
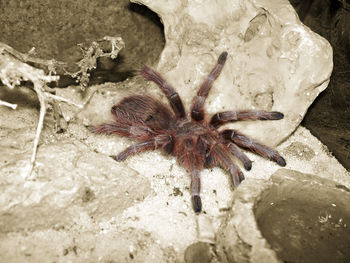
(328, 118)
(109, 70)
(82, 23)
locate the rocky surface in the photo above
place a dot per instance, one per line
(82, 206)
(291, 217)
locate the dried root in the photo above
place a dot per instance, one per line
(14, 68)
(96, 50)
(10, 105)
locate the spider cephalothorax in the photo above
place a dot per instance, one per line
(194, 139)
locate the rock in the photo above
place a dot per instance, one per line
(274, 62)
(200, 252)
(290, 217)
(73, 207)
(238, 239)
(305, 217)
(71, 181)
(85, 245)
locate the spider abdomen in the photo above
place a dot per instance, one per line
(140, 110)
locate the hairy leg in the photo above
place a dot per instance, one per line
(240, 155)
(170, 93)
(150, 144)
(111, 128)
(189, 156)
(138, 132)
(195, 191)
(245, 142)
(226, 116)
(197, 109)
(227, 144)
(220, 155)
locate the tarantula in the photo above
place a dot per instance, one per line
(194, 139)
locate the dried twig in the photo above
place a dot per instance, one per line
(96, 50)
(7, 104)
(13, 69)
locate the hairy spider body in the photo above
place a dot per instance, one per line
(194, 140)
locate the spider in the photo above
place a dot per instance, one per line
(194, 139)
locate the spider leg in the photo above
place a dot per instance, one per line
(240, 155)
(226, 116)
(209, 162)
(111, 128)
(173, 97)
(219, 155)
(195, 190)
(189, 156)
(197, 109)
(150, 144)
(245, 142)
(139, 132)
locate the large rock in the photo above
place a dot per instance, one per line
(292, 217)
(71, 182)
(274, 63)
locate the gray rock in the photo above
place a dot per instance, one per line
(71, 179)
(291, 217)
(200, 252)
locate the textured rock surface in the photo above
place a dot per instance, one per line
(274, 63)
(309, 215)
(303, 217)
(84, 207)
(69, 178)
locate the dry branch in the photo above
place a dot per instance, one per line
(14, 69)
